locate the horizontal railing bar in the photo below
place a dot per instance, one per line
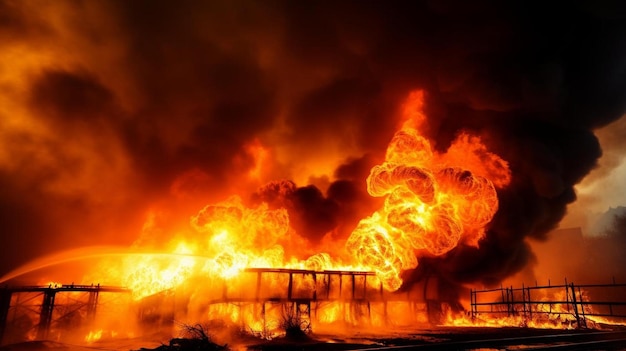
(307, 271)
(65, 288)
(552, 302)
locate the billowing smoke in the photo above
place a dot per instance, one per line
(109, 110)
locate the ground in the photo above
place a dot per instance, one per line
(444, 338)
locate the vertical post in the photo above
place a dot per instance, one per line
(509, 300)
(582, 307)
(575, 306)
(258, 286)
(473, 304)
(45, 315)
(353, 286)
(290, 286)
(340, 284)
(328, 288)
(524, 301)
(92, 303)
(5, 304)
(567, 296)
(530, 306)
(502, 297)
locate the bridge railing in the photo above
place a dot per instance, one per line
(577, 302)
(44, 313)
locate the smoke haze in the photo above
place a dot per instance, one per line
(114, 112)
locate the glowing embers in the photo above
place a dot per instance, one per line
(433, 201)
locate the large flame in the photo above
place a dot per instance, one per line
(433, 201)
(223, 239)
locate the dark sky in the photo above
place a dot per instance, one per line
(112, 110)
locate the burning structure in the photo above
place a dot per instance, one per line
(435, 139)
(433, 202)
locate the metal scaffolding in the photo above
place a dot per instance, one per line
(26, 297)
(570, 301)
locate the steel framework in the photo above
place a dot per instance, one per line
(579, 302)
(27, 297)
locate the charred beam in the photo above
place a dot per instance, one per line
(5, 303)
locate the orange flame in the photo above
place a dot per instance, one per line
(547, 314)
(433, 201)
(93, 336)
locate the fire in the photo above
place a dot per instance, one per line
(223, 239)
(93, 336)
(550, 307)
(433, 201)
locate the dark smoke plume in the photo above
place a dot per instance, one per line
(113, 107)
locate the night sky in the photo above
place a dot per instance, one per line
(115, 111)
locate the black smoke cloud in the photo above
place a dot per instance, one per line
(134, 94)
(313, 214)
